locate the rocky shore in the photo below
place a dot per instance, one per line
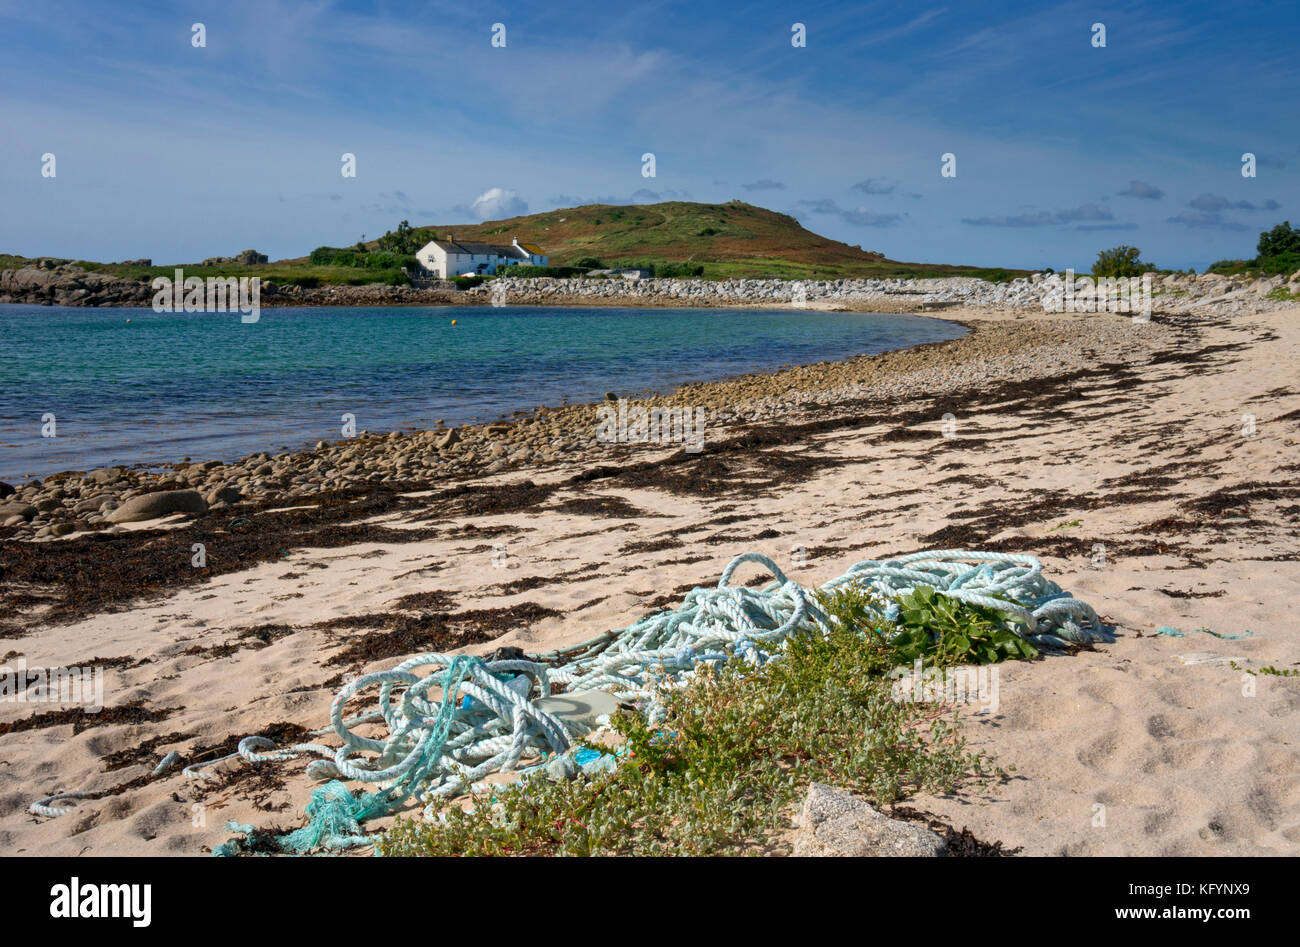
(58, 283)
(553, 438)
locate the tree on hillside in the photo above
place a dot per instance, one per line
(1120, 261)
(406, 239)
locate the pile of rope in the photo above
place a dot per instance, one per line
(448, 730)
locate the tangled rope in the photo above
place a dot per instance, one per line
(484, 718)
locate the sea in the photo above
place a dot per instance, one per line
(83, 388)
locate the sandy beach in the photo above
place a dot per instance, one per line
(1150, 465)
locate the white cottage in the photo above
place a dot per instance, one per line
(452, 257)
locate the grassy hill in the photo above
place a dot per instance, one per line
(731, 239)
(734, 239)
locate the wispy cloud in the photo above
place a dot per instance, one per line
(640, 196)
(1143, 190)
(875, 186)
(1207, 221)
(1207, 213)
(859, 217)
(1213, 203)
(764, 185)
(1048, 218)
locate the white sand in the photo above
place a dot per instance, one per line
(1182, 761)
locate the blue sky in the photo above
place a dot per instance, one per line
(177, 153)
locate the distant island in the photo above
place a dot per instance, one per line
(673, 238)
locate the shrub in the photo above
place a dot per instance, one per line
(333, 256)
(998, 275)
(404, 240)
(528, 271)
(1278, 249)
(951, 632)
(1282, 239)
(1120, 261)
(1229, 267)
(664, 270)
(381, 260)
(466, 282)
(1284, 263)
(676, 270)
(589, 262)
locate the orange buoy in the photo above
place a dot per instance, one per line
(453, 322)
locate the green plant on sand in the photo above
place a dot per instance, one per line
(721, 773)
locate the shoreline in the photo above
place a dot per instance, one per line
(654, 399)
(49, 282)
(730, 401)
(1071, 432)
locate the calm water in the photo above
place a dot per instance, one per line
(164, 386)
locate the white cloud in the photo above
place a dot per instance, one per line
(496, 203)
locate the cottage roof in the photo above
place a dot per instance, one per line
(521, 251)
(449, 246)
(490, 249)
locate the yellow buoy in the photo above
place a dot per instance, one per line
(453, 322)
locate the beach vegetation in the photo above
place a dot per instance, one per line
(722, 772)
(1267, 670)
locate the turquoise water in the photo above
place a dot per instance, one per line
(131, 386)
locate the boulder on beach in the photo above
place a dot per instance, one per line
(834, 823)
(224, 494)
(17, 508)
(150, 506)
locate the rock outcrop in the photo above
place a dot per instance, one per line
(57, 283)
(247, 257)
(60, 283)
